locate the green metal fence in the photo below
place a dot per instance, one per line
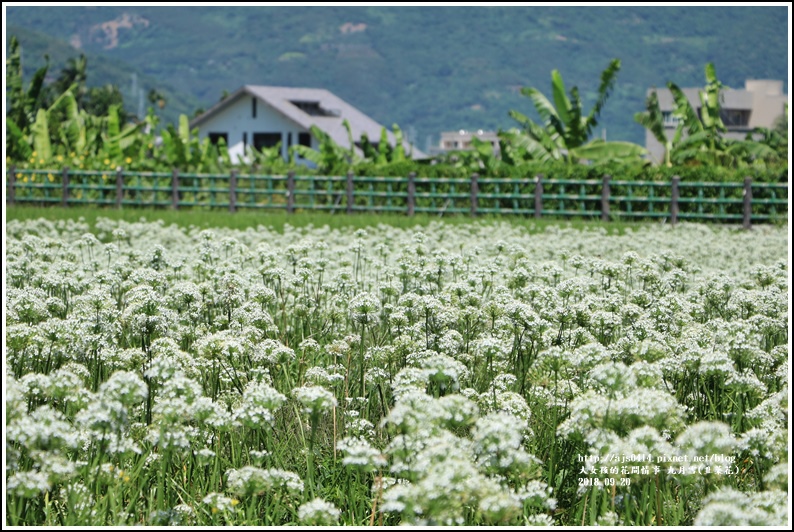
(604, 198)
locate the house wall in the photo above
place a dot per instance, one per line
(769, 102)
(237, 119)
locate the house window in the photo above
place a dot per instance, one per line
(216, 137)
(245, 140)
(266, 140)
(669, 119)
(253, 107)
(310, 108)
(305, 139)
(735, 117)
(315, 108)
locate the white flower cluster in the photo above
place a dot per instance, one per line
(445, 358)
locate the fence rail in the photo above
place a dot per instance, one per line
(604, 198)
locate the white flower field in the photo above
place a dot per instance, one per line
(453, 374)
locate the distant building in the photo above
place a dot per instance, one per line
(757, 105)
(263, 116)
(462, 140)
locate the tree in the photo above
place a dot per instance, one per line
(565, 129)
(99, 100)
(23, 104)
(72, 77)
(157, 98)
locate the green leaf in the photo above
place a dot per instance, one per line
(684, 111)
(560, 98)
(18, 147)
(41, 136)
(113, 145)
(608, 77)
(398, 153)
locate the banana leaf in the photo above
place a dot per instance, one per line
(113, 135)
(398, 153)
(684, 111)
(17, 145)
(41, 136)
(561, 101)
(652, 120)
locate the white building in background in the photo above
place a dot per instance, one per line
(757, 105)
(462, 140)
(262, 116)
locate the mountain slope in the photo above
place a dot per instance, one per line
(101, 70)
(430, 68)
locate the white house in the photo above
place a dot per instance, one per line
(262, 116)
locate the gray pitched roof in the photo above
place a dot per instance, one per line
(335, 110)
(731, 98)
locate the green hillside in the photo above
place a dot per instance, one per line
(429, 69)
(102, 70)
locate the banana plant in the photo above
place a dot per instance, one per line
(398, 153)
(564, 129)
(652, 120)
(264, 159)
(384, 150)
(182, 149)
(330, 157)
(699, 137)
(23, 105)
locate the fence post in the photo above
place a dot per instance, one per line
(538, 195)
(65, 183)
(11, 183)
(174, 189)
(674, 200)
(475, 189)
(748, 202)
(119, 186)
(349, 192)
(605, 192)
(290, 192)
(233, 190)
(411, 193)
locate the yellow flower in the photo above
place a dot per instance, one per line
(71, 154)
(32, 177)
(51, 177)
(214, 510)
(34, 154)
(25, 179)
(60, 158)
(41, 161)
(33, 159)
(107, 161)
(235, 502)
(128, 160)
